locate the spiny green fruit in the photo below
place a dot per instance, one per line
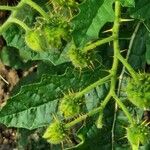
(139, 92)
(35, 40)
(78, 59)
(55, 35)
(138, 134)
(70, 106)
(55, 133)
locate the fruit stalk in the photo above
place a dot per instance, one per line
(92, 86)
(97, 43)
(90, 113)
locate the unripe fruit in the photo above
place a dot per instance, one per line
(70, 106)
(138, 134)
(139, 92)
(55, 133)
(54, 35)
(35, 40)
(78, 59)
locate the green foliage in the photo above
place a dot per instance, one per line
(77, 46)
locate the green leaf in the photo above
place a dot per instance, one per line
(128, 3)
(10, 57)
(141, 10)
(34, 105)
(91, 18)
(137, 55)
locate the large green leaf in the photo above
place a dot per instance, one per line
(92, 16)
(34, 105)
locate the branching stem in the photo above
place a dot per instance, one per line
(20, 23)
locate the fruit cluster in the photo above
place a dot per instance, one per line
(48, 35)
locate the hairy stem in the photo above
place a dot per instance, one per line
(37, 8)
(115, 44)
(20, 23)
(97, 43)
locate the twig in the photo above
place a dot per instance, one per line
(4, 80)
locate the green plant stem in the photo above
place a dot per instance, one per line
(115, 44)
(7, 23)
(92, 86)
(128, 67)
(20, 23)
(116, 48)
(123, 107)
(37, 8)
(97, 43)
(10, 8)
(121, 78)
(89, 114)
